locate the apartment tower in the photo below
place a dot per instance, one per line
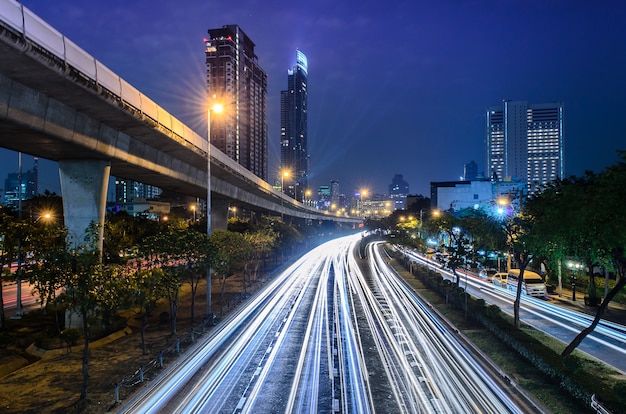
(235, 80)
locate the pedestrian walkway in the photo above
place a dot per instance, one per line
(615, 312)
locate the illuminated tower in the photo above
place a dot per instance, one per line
(235, 79)
(293, 128)
(525, 141)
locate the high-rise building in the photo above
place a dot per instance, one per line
(334, 192)
(235, 79)
(293, 128)
(323, 197)
(398, 190)
(525, 141)
(18, 188)
(470, 171)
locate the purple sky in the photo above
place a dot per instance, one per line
(395, 87)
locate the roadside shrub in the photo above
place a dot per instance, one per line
(493, 311)
(70, 336)
(43, 340)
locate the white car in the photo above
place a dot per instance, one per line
(499, 279)
(487, 274)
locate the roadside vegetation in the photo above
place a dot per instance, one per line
(87, 294)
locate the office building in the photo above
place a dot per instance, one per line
(21, 186)
(235, 80)
(398, 190)
(293, 128)
(525, 141)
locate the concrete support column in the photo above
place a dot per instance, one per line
(84, 190)
(219, 214)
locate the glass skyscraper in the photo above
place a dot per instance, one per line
(235, 79)
(525, 141)
(293, 129)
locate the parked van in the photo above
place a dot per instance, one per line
(533, 284)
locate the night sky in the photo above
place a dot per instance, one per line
(395, 87)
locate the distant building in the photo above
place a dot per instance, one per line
(150, 209)
(127, 191)
(235, 79)
(398, 191)
(294, 155)
(454, 196)
(470, 171)
(376, 207)
(323, 197)
(334, 193)
(27, 185)
(525, 142)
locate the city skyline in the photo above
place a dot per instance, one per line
(397, 88)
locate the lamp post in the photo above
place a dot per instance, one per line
(18, 302)
(283, 175)
(217, 108)
(362, 193)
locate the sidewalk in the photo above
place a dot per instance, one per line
(615, 312)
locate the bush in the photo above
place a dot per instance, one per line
(43, 340)
(70, 336)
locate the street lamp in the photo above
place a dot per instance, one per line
(217, 108)
(362, 193)
(284, 174)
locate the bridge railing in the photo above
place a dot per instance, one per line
(31, 27)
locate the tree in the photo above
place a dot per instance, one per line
(458, 246)
(149, 289)
(230, 250)
(262, 241)
(161, 257)
(94, 292)
(8, 251)
(193, 250)
(610, 218)
(50, 268)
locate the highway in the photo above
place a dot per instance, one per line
(30, 301)
(607, 342)
(332, 333)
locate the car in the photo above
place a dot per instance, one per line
(487, 274)
(499, 279)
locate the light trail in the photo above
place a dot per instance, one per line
(310, 341)
(607, 342)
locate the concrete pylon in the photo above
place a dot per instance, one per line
(219, 214)
(84, 185)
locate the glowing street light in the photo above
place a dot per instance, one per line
(284, 174)
(217, 108)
